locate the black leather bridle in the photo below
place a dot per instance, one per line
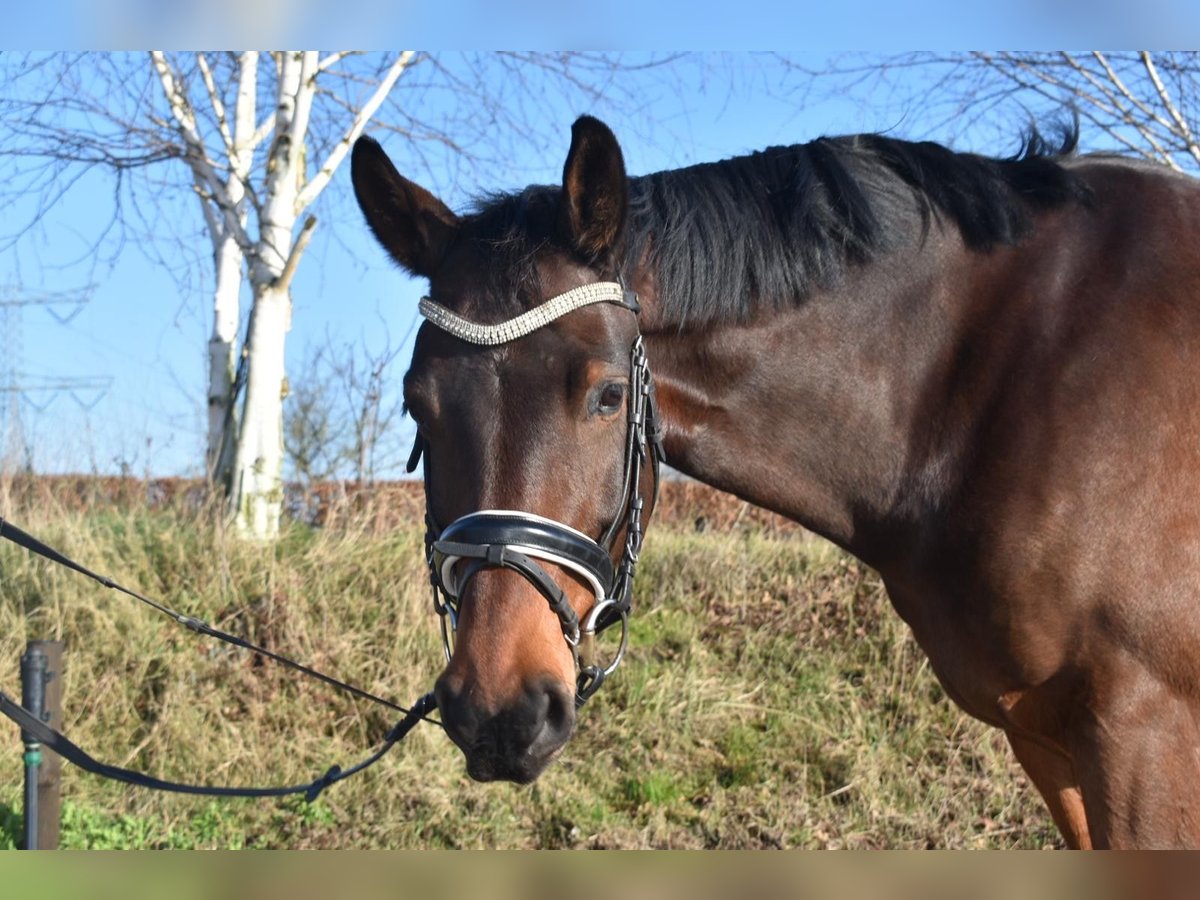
(521, 541)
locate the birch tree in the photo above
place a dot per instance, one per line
(270, 248)
(257, 138)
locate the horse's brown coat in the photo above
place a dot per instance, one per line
(1011, 436)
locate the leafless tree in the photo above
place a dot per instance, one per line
(340, 421)
(313, 423)
(255, 138)
(1140, 102)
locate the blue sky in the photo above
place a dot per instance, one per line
(146, 329)
(612, 24)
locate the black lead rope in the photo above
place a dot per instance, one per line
(73, 753)
(70, 751)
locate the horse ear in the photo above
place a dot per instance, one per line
(413, 226)
(595, 192)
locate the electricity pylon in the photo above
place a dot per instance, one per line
(18, 388)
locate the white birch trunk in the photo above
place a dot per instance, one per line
(222, 354)
(229, 258)
(257, 492)
(257, 488)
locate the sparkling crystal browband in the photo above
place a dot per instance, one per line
(489, 335)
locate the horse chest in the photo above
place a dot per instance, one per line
(981, 644)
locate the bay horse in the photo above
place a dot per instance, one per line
(979, 376)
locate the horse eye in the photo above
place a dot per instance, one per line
(612, 395)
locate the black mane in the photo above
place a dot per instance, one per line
(765, 230)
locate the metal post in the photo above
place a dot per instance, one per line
(33, 688)
(50, 773)
(41, 694)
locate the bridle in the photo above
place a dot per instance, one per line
(522, 541)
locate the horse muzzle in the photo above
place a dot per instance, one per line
(515, 743)
(515, 736)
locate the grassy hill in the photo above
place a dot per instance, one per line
(770, 698)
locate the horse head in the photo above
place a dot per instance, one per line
(535, 416)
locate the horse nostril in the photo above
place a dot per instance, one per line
(555, 715)
(460, 719)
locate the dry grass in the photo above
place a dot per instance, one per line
(771, 699)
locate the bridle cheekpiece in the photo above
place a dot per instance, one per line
(522, 541)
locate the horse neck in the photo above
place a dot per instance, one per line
(822, 412)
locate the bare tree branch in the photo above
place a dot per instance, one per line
(260, 137)
(334, 58)
(1171, 108)
(1138, 101)
(197, 156)
(284, 281)
(355, 129)
(218, 107)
